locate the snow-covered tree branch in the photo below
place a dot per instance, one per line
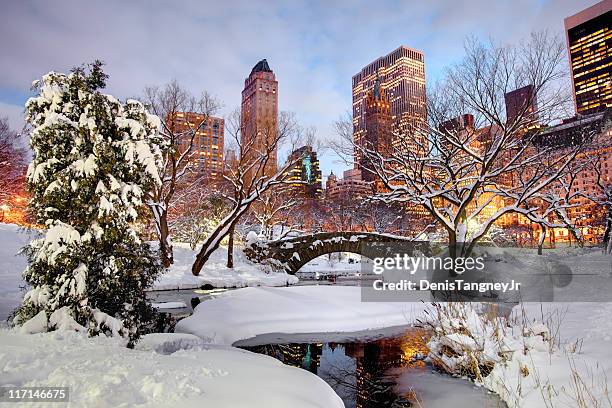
(249, 177)
(474, 164)
(172, 104)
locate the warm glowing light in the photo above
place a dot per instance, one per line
(13, 211)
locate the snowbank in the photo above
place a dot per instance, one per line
(215, 273)
(12, 239)
(165, 370)
(578, 368)
(565, 362)
(245, 313)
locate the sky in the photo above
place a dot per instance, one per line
(314, 47)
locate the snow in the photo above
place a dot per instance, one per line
(62, 319)
(252, 238)
(196, 368)
(169, 305)
(164, 370)
(37, 324)
(349, 264)
(215, 273)
(245, 313)
(12, 239)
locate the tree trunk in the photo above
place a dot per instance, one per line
(607, 231)
(452, 248)
(165, 248)
(542, 239)
(212, 242)
(230, 248)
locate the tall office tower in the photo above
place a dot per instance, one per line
(522, 103)
(378, 134)
(207, 150)
(402, 74)
(589, 43)
(259, 114)
(306, 173)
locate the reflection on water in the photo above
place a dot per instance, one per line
(381, 373)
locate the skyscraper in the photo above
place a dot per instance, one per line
(259, 113)
(306, 173)
(402, 75)
(589, 44)
(378, 134)
(208, 140)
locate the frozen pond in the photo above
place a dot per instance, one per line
(382, 369)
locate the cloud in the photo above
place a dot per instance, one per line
(14, 113)
(314, 47)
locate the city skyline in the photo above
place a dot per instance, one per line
(298, 46)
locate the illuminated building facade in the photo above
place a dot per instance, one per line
(306, 174)
(378, 135)
(351, 187)
(596, 130)
(207, 151)
(402, 76)
(259, 113)
(589, 42)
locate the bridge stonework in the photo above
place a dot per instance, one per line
(293, 253)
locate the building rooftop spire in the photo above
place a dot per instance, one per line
(261, 66)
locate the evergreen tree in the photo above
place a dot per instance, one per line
(94, 160)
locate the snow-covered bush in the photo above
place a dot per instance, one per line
(469, 339)
(94, 159)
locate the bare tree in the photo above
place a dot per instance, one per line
(198, 207)
(382, 217)
(466, 175)
(346, 213)
(549, 208)
(254, 173)
(272, 210)
(172, 103)
(12, 165)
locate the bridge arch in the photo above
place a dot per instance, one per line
(293, 253)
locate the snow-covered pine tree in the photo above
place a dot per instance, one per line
(94, 159)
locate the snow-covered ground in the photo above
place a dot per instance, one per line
(245, 313)
(215, 273)
(165, 370)
(12, 239)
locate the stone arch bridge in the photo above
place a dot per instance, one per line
(293, 253)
